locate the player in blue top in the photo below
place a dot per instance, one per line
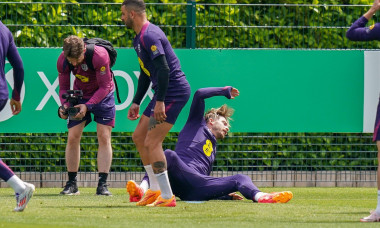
(358, 32)
(190, 164)
(23, 191)
(160, 66)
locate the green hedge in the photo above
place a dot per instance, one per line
(217, 26)
(238, 152)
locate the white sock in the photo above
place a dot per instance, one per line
(378, 203)
(144, 186)
(17, 184)
(163, 181)
(258, 195)
(152, 178)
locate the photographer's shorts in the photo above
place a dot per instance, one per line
(104, 112)
(173, 105)
(2, 104)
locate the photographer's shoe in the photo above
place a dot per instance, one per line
(70, 189)
(103, 190)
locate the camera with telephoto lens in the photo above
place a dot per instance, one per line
(72, 98)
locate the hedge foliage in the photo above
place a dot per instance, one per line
(298, 24)
(238, 152)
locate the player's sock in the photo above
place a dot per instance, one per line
(72, 176)
(103, 178)
(17, 184)
(378, 203)
(258, 195)
(163, 181)
(144, 185)
(152, 178)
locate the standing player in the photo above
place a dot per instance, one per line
(358, 32)
(98, 99)
(190, 164)
(23, 191)
(159, 65)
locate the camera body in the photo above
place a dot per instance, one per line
(72, 98)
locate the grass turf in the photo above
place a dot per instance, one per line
(310, 207)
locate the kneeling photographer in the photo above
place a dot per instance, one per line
(91, 99)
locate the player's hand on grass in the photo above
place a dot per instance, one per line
(235, 196)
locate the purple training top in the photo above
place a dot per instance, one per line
(96, 85)
(150, 43)
(358, 31)
(8, 50)
(196, 144)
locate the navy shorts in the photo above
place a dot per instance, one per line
(173, 105)
(104, 112)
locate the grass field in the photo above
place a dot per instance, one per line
(310, 207)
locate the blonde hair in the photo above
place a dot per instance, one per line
(73, 47)
(223, 111)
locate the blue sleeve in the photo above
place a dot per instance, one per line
(358, 31)
(197, 108)
(18, 69)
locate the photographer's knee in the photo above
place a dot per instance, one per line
(74, 138)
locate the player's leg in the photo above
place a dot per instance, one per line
(375, 215)
(208, 187)
(156, 135)
(139, 136)
(136, 191)
(153, 142)
(213, 188)
(179, 173)
(104, 157)
(73, 156)
(104, 115)
(23, 191)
